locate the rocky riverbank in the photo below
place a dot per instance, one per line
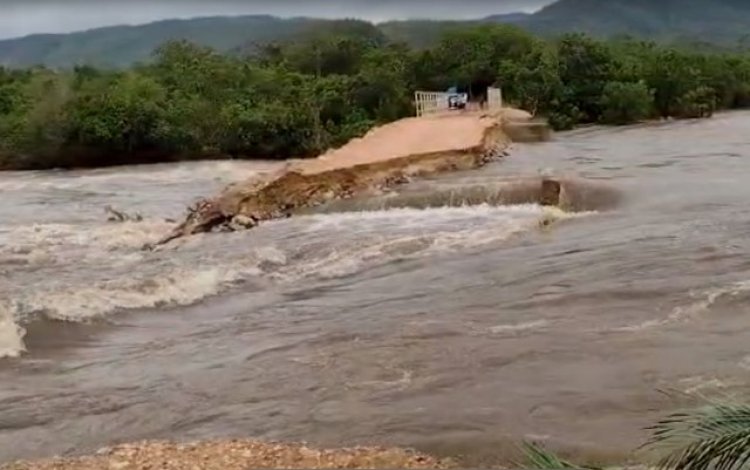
(233, 455)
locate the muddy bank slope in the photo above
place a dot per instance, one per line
(385, 157)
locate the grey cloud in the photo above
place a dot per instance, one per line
(18, 18)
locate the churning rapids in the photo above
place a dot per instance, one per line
(412, 320)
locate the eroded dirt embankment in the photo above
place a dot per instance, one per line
(386, 157)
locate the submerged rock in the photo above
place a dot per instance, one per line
(550, 195)
(243, 222)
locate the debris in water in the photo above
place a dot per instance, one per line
(120, 216)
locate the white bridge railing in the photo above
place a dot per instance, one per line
(429, 102)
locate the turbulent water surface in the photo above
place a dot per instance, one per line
(410, 319)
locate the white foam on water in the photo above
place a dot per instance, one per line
(106, 236)
(344, 261)
(45, 245)
(468, 225)
(61, 259)
(519, 327)
(82, 297)
(700, 384)
(186, 172)
(414, 232)
(400, 383)
(686, 313)
(180, 286)
(85, 272)
(745, 363)
(176, 288)
(415, 217)
(11, 334)
(646, 325)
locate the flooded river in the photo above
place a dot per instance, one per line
(459, 329)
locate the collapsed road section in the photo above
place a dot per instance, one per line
(385, 157)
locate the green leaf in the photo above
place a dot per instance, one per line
(715, 437)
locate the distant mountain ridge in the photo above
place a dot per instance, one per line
(118, 46)
(718, 21)
(724, 22)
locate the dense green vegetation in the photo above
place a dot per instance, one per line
(296, 98)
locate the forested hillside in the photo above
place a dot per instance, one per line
(121, 46)
(704, 23)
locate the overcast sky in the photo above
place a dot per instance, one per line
(23, 17)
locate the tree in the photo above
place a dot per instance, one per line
(625, 103)
(34, 122)
(383, 88)
(585, 68)
(469, 57)
(533, 82)
(699, 102)
(671, 74)
(337, 47)
(120, 115)
(715, 437)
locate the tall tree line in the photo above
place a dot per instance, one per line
(300, 97)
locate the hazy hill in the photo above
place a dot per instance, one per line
(724, 22)
(423, 33)
(118, 46)
(716, 21)
(123, 45)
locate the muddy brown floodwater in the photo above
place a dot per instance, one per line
(413, 319)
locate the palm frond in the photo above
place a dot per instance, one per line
(539, 458)
(713, 437)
